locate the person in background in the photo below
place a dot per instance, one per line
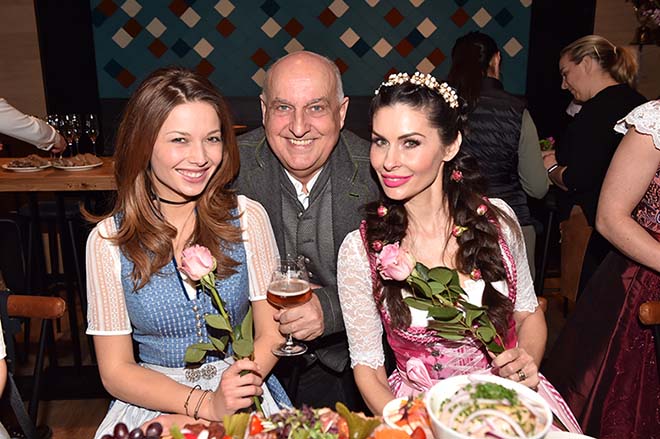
(175, 154)
(604, 361)
(312, 178)
(500, 132)
(29, 129)
(600, 75)
(434, 209)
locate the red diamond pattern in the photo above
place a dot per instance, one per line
(260, 57)
(460, 17)
(125, 78)
(404, 48)
(178, 7)
(394, 17)
(205, 68)
(327, 17)
(391, 71)
(436, 57)
(341, 65)
(107, 7)
(293, 27)
(157, 48)
(225, 27)
(132, 27)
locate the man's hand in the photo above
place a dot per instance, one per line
(304, 322)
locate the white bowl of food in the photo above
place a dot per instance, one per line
(486, 406)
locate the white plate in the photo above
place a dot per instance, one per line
(77, 168)
(25, 169)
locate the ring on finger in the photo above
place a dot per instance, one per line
(522, 376)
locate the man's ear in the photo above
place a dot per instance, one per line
(343, 108)
(452, 149)
(262, 101)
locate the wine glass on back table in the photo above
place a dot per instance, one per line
(289, 287)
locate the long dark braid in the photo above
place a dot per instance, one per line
(478, 245)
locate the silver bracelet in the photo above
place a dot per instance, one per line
(552, 168)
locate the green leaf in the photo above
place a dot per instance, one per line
(247, 327)
(457, 290)
(441, 274)
(417, 303)
(236, 424)
(220, 344)
(422, 271)
(421, 286)
(494, 347)
(467, 305)
(485, 333)
(471, 315)
(451, 336)
(437, 287)
(443, 313)
(448, 327)
(194, 355)
(359, 427)
(243, 348)
(176, 433)
(218, 322)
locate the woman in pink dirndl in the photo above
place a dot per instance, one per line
(434, 209)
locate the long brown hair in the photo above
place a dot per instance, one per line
(620, 62)
(478, 246)
(144, 236)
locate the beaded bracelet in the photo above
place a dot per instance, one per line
(199, 404)
(185, 404)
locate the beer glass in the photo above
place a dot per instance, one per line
(289, 287)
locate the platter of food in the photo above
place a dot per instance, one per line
(79, 162)
(31, 163)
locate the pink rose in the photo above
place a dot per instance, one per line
(197, 261)
(395, 263)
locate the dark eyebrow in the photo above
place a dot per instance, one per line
(178, 132)
(401, 137)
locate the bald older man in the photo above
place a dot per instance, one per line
(312, 178)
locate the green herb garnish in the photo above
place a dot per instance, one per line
(495, 391)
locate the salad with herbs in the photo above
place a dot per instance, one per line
(490, 410)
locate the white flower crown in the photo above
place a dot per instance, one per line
(426, 80)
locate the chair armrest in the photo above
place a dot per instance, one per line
(35, 306)
(649, 313)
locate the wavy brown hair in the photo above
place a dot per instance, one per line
(478, 246)
(143, 235)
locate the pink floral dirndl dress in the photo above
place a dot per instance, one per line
(423, 358)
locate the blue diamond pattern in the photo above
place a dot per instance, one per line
(180, 48)
(415, 37)
(360, 48)
(270, 7)
(113, 68)
(98, 17)
(503, 17)
(461, 2)
(190, 2)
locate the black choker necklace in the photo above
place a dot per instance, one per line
(176, 203)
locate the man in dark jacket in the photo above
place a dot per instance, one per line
(312, 178)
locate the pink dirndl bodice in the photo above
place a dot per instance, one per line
(423, 358)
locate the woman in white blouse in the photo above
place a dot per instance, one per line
(175, 154)
(434, 208)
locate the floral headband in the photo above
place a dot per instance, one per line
(425, 80)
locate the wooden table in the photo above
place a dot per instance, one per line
(57, 180)
(60, 182)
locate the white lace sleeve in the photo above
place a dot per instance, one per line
(260, 246)
(106, 305)
(645, 119)
(525, 295)
(361, 317)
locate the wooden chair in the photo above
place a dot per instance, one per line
(13, 306)
(649, 314)
(575, 234)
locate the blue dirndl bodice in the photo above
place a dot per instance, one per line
(165, 321)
